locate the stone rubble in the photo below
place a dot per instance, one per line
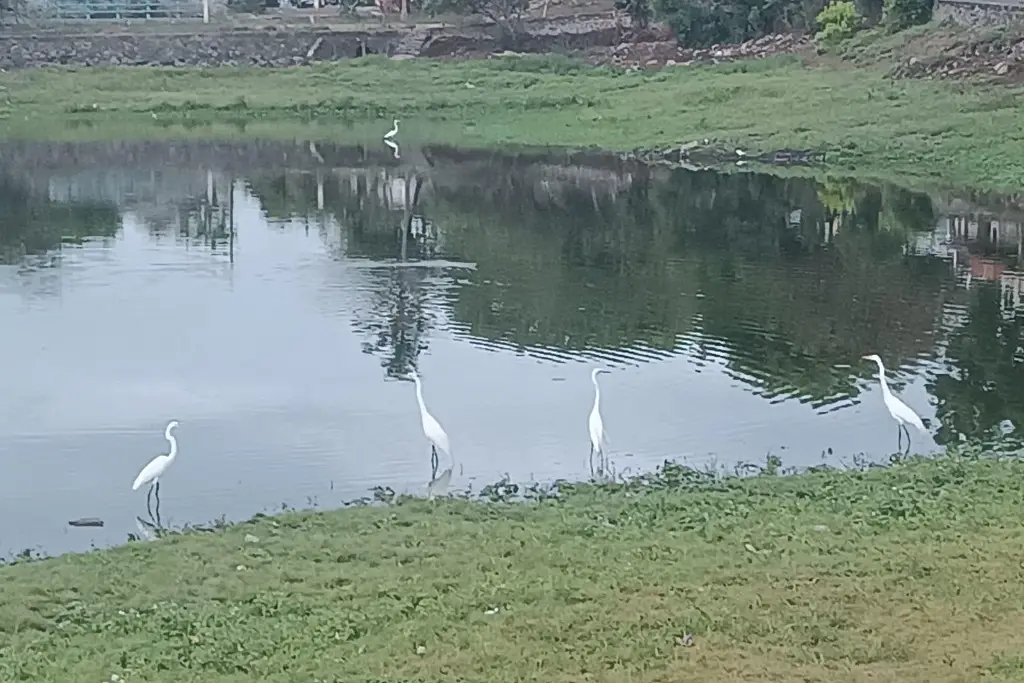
(668, 53)
(1001, 56)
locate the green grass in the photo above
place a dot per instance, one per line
(951, 133)
(909, 574)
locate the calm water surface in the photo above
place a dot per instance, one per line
(269, 295)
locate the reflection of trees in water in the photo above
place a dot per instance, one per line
(398, 320)
(783, 285)
(31, 223)
(374, 216)
(986, 386)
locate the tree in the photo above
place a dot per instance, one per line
(507, 15)
(640, 11)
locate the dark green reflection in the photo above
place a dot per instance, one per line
(987, 384)
(763, 271)
(784, 279)
(379, 220)
(31, 223)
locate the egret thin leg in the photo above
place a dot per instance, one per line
(157, 496)
(908, 438)
(159, 524)
(591, 460)
(899, 437)
(434, 463)
(149, 498)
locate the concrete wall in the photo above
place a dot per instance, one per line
(191, 43)
(975, 12)
(244, 47)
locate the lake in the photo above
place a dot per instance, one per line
(269, 295)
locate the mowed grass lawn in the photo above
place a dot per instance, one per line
(954, 133)
(909, 574)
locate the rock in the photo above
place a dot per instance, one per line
(1001, 68)
(402, 58)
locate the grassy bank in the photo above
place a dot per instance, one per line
(907, 574)
(944, 132)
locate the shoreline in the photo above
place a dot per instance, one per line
(866, 124)
(823, 575)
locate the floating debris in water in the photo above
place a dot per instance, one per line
(86, 522)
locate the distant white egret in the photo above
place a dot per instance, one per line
(900, 411)
(393, 132)
(431, 428)
(597, 437)
(152, 472)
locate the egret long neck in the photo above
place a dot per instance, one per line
(881, 380)
(419, 396)
(174, 445)
(597, 393)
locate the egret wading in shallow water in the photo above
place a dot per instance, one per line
(152, 472)
(596, 424)
(393, 132)
(431, 429)
(900, 411)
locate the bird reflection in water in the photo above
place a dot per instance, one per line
(147, 530)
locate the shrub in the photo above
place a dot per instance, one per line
(640, 11)
(838, 21)
(696, 24)
(901, 14)
(702, 23)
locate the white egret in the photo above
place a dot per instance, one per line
(432, 429)
(900, 411)
(597, 437)
(152, 472)
(393, 132)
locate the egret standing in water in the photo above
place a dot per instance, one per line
(152, 472)
(596, 424)
(900, 411)
(431, 428)
(393, 132)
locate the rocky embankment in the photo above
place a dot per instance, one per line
(947, 51)
(600, 39)
(667, 52)
(1002, 61)
(188, 45)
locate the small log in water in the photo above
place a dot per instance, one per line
(86, 521)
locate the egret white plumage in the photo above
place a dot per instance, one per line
(393, 132)
(156, 467)
(432, 429)
(596, 424)
(900, 411)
